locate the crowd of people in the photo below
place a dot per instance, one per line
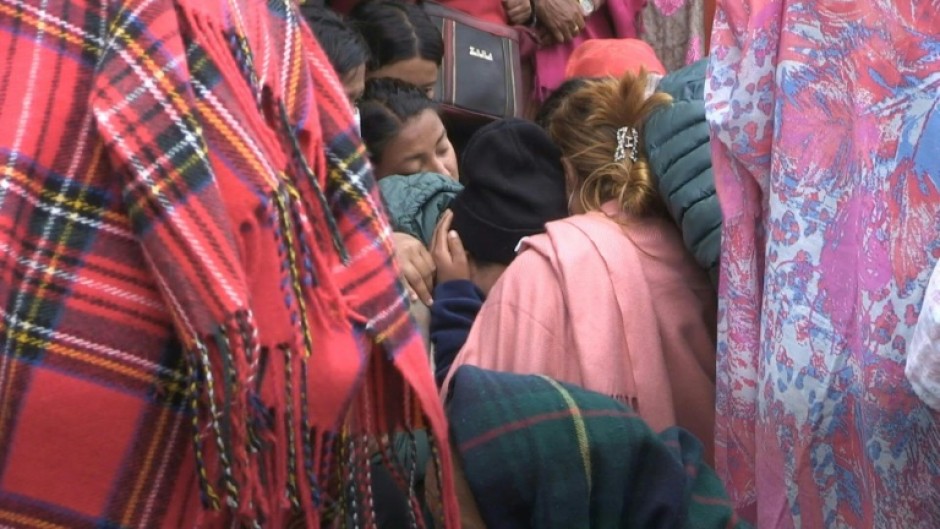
(251, 277)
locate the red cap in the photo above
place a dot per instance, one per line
(612, 58)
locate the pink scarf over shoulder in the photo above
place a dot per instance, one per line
(616, 307)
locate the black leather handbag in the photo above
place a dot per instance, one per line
(482, 72)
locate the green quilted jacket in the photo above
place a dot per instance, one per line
(416, 202)
(677, 146)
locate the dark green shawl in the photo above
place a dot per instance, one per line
(540, 454)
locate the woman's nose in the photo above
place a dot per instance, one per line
(440, 167)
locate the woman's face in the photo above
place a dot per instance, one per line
(417, 71)
(421, 146)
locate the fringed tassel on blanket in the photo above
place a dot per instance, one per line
(274, 452)
(227, 420)
(276, 436)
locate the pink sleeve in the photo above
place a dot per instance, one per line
(923, 353)
(519, 328)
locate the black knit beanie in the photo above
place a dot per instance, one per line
(514, 184)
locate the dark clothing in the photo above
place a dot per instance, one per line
(515, 183)
(539, 454)
(455, 308)
(412, 453)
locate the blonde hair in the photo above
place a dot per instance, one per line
(585, 129)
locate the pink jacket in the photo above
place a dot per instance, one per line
(620, 309)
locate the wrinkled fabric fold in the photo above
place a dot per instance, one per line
(822, 114)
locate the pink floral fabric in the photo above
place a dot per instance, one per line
(923, 355)
(826, 131)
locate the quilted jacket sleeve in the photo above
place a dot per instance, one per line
(416, 202)
(677, 146)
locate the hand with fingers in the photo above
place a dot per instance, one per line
(448, 253)
(560, 20)
(417, 267)
(518, 11)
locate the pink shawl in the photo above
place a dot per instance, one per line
(618, 308)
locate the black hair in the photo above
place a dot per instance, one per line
(553, 101)
(397, 31)
(342, 44)
(385, 107)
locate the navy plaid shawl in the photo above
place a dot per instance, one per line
(541, 454)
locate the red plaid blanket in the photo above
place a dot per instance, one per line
(199, 313)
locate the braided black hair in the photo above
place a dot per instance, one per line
(342, 43)
(385, 107)
(556, 98)
(397, 31)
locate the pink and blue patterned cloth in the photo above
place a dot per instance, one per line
(826, 128)
(923, 353)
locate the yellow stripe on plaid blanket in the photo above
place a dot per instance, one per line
(579, 427)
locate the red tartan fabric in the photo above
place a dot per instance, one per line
(199, 306)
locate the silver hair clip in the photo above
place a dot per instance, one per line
(627, 138)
